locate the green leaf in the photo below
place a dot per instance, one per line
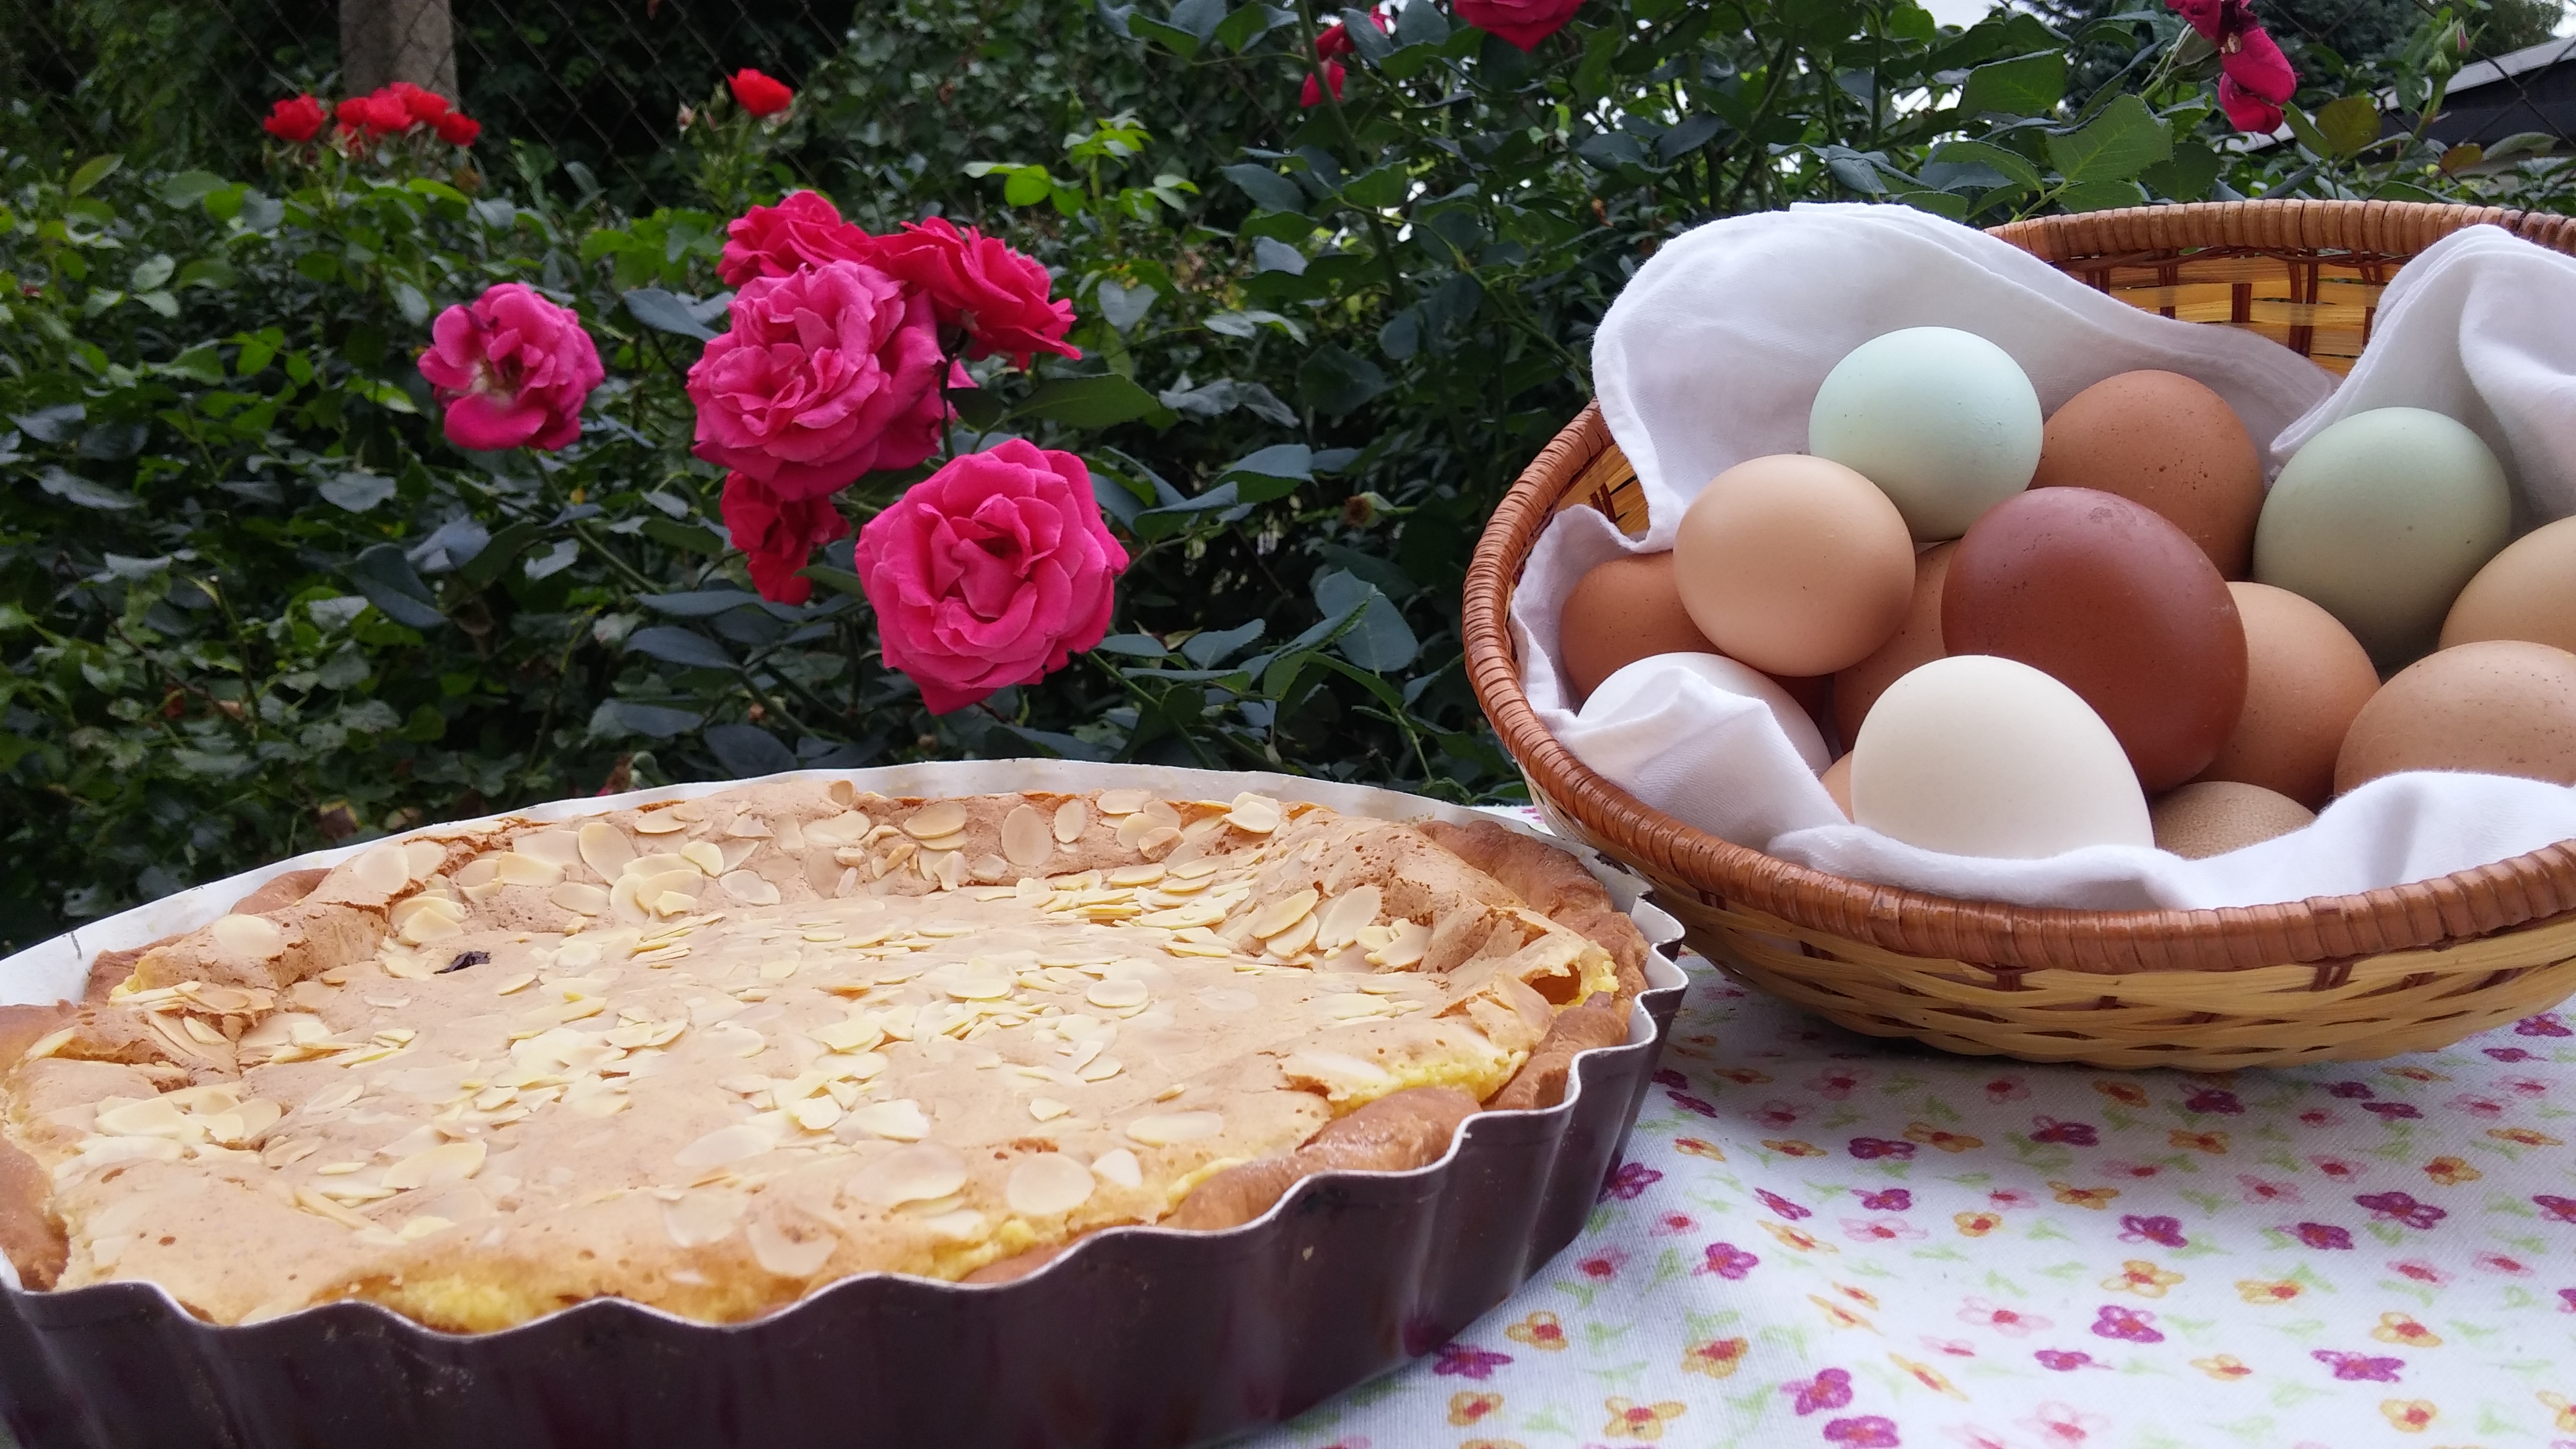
(2306, 130)
(2029, 85)
(1378, 189)
(2102, 195)
(688, 537)
(1378, 638)
(2125, 139)
(679, 646)
(1939, 203)
(74, 489)
(197, 364)
(2348, 125)
(1334, 380)
(1249, 24)
(1028, 186)
(2012, 166)
(1090, 402)
(188, 186)
(665, 311)
(93, 171)
(840, 581)
(2186, 176)
(1268, 189)
(390, 583)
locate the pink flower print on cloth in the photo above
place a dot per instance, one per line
(2010, 1322)
(2133, 1325)
(1829, 1389)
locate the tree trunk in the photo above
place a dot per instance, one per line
(382, 41)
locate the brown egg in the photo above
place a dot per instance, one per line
(2213, 817)
(1917, 641)
(2497, 707)
(2527, 592)
(2305, 678)
(1794, 565)
(2163, 440)
(1814, 694)
(2116, 604)
(1837, 782)
(1622, 611)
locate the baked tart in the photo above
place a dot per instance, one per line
(712, 1055)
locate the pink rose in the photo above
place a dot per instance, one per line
(803, 230)
(1522, 22)
(825, 374)
(992, 571)
(512, 370)
(779, 534)
(1000, 296)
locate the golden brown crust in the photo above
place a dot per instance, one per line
(1599, 1022)
(1554, 884)
(1018, 1266)
(23, 1026)
(281, 892)
(112, 969)
(29, 1235)
(1396, 1133)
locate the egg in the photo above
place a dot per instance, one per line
(2117, 604)
(2305, 679)
(2162, 440)
(2383, 518)
(1942, 419)
(1837, 782)
(1648, 682)
(2213, 817)
(1978, 755)
(2496, 707)
(1917, 641)
(1794, 565)
(1623, 610)
(2527, 592)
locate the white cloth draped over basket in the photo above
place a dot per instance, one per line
(1713, 354)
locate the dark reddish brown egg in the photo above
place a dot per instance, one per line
(1622, 611)
(2116, 604)
(2163, 440)
(1916, 641)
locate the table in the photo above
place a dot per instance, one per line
(1822, 1239)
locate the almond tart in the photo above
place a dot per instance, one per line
(713, 1055)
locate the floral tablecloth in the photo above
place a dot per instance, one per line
(1819, 1239)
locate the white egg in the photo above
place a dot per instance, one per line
(1646, 683)
(1943, 421)
(1978, 755)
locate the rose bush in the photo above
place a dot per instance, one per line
(253, 601)
(991, 572)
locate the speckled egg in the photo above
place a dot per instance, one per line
(2497, 707)
(2527, 592)
(1623, 610)
(2305, 679)
(2166, 441)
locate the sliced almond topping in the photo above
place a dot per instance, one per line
(445, 1163)
(847, 828)
(1047, 1185)
(1254, 814)
(423, 858)
(936, 819)
(747, 888)
(1289, 943)
(1134, 827)
(703, 1215)
(1047, 1109)
(954, 841)
(558, 848)
(659, 822)
(923, 1172)
(901, 1119)
(1119, 1166)
(705, 856)
(1098, 1069)
(989, 868)
(253, 936)
(1175, 1127)
(1116, 995)
(724, 1145)
(1158, 842)
(605, 849)
(748, 827)
(147, 1117)
(1339, 923)
(1412, 939)
(580, 898)
(323, 1207)
(523, 870)
(1028, 840)
(816, 1114)
(1122, 802)
(1282, 913)
(381, 870)
(1071, 819)
(797, 1252)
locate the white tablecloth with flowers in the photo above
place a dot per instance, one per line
(1819, 1239)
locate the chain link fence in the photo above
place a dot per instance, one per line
(594, 82)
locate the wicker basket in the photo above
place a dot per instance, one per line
(2332, 978)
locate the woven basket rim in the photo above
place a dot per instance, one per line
(2321, 929)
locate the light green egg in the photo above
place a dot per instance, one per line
(1943, 421)
(2381, 520)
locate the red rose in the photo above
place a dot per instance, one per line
(802, 230)
(424, 106)
(2254, 77)
(457, 129)
(779, 534)
(1522, 22)
(992, 571)
(378, 114)
(759, 94)
(298, 120)
(999, 295)
(1312, 95)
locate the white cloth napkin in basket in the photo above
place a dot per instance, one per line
(1714, 352)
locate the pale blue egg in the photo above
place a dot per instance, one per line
(1943, 421)
(2381, 520)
